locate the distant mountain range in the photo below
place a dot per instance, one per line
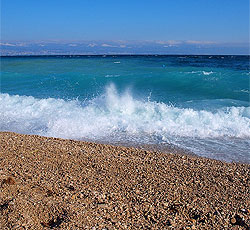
(13, 48)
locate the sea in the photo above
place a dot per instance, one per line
(199, 104)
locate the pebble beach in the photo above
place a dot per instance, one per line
(52, 183)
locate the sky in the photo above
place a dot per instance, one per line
(214, 21)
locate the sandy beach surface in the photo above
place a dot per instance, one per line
(50, 183)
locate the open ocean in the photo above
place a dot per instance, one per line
(198, 103)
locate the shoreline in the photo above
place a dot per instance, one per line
(163, 148)
(59, 183)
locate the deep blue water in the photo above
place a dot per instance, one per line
(200, 103)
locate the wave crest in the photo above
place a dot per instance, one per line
(114, 113)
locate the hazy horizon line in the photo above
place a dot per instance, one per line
(125, 47)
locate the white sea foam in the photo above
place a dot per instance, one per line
(202, 72)
(207, 73)
(112, 75)
(242, 91)
(113, 112)
(117, 115)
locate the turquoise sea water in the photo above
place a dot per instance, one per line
(199, 103)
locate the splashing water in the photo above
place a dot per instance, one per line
(199, 103)
(115, 117)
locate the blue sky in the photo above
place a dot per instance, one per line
(213, 20)
(219, 21)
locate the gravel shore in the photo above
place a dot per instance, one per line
(50, 183)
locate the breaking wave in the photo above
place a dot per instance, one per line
(121, 113)
(118, 116)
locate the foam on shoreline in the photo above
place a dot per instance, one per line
(121, 118)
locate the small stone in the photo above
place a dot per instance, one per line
(102, 205)
(81, 195)
(9, 180)
(49, 192)
(244, 210)
(233, 221)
